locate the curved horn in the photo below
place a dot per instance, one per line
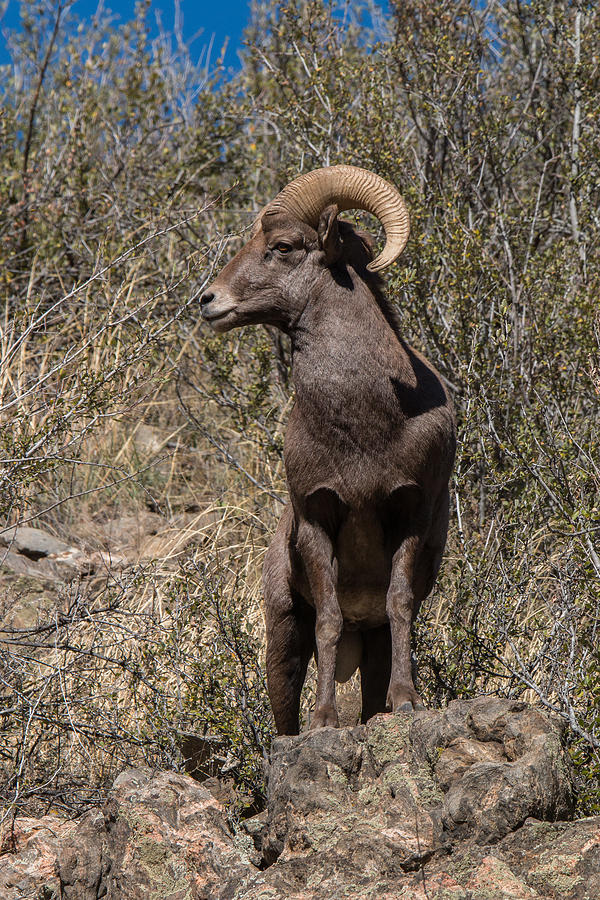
(350, 187)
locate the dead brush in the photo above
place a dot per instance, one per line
(126, 664)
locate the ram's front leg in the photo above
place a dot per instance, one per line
(320, 569)
(401, 610)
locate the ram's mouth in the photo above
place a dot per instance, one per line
(212, 317)
(218, 320)
(216, 315)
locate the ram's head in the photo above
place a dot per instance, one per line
(295, 238)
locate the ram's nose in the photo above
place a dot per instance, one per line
(206, 298)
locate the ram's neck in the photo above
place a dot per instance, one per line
(347, 362)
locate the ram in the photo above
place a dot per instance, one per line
(368, 450)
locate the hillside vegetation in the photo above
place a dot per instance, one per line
(129, 172)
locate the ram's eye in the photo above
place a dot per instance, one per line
(283, 248)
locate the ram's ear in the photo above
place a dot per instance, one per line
(329, 235)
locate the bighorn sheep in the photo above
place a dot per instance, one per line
(368, 450)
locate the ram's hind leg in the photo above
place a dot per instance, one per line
(290, 645)
(375, 670)
(290, 627)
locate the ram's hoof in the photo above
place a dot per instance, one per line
(325, 718)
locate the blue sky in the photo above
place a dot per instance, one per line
(216, 19)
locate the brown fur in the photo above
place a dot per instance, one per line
(368, 454)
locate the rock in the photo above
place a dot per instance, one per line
(166, 836)
(25, 601)
(149, 536)
(115, 544)
(159, 835)
(129, 531)
(150, 440)
(162, 446)
(545, 861)
(33, 552)
(457, 803)
(476, 770)
(184, 530)
(34, 543)
(28, 852)
(559, 860)
(499, 762)
(422, 806)
(22, 565)
(36, 554)
(202, 754)
(355, 794)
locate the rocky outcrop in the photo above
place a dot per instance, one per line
(159, 836)
(440, 804)
(461, 803)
